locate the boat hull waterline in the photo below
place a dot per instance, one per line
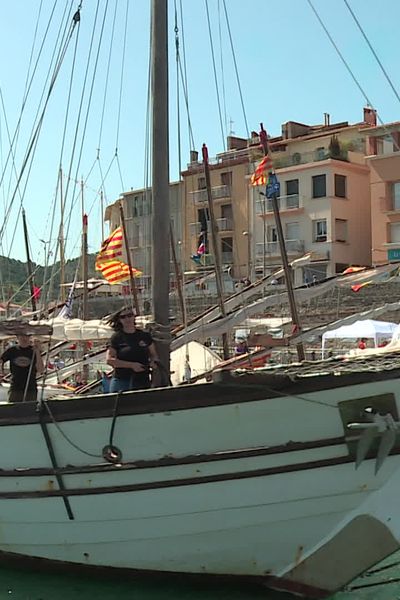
(236, 480)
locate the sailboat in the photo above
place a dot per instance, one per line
(288, 477)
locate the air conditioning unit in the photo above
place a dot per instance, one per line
(296, 158)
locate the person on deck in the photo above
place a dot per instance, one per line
(131, 352)
(25, 363)
(362, 344)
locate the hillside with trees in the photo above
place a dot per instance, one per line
(14, 277)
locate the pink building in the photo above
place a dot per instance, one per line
(383, 144)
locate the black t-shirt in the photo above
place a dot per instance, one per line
(133, 347)
(20, 366)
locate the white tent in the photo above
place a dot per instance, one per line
(376, 330)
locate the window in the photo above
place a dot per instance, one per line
(201, 183)
(395, 233)
(292, 187)
(292, 193)
(340, 267)
(138, 206)
(227, 249)
(340, 230)
(136, 237)
(340, 186)
(396, 195)
(272, 235)
(320, 153)
(320, 230)
(319, 186)
(292, 231)
(226, 211)
(226, 178)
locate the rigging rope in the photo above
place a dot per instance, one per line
(36, 132)
(372, 50)
(354, 78)
(215, 75)
(236, 69)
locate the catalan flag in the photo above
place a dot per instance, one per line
(115, 271)
(260, 175)
(112, 247)
(108, 260)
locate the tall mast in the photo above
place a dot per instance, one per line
(217, 257)
(29, 264)
(285, 263)
(84, 259)
(61, 239)
(160, 176)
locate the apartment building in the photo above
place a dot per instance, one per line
(324, 202)
(230, 196)
(137, 211)
(383, 144)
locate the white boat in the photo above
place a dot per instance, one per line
(254, 477)
(251, 476)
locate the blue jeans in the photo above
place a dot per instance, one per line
(124, 385)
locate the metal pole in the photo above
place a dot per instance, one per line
(29, 264)
(285, 263)
(178, 274)
(160, 178)
(132, 283)
(61, 240)
(217, 258)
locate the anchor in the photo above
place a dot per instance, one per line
(383, 426)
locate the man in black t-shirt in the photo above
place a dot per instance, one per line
(25, 363)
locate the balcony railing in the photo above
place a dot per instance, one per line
(227, 258)
(225, 224)
(196, 229)
(272, 248)
(200, 196)
(291, 202)
(301, 158)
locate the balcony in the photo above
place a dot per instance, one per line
(195, 228)
(219, 192)
(297, 158)
(225, 224)
(292, 202)
(227, 258)
(272, 248)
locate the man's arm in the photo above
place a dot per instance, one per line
(37, 348)
(153, 356)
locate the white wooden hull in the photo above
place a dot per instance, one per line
(256, 488)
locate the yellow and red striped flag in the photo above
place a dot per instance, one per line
(112, 247)
(109, 262)
(260, 175)
(115, 271)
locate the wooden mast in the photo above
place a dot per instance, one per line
(217, 257)
(160, 179)
(29, 265)
(285, 263)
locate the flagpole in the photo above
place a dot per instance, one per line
(29, 265)
(132, 283)
(178, 274)
(217, 261)
(285, 263)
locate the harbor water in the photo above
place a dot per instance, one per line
(381, 583)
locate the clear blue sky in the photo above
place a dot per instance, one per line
(287, 67)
